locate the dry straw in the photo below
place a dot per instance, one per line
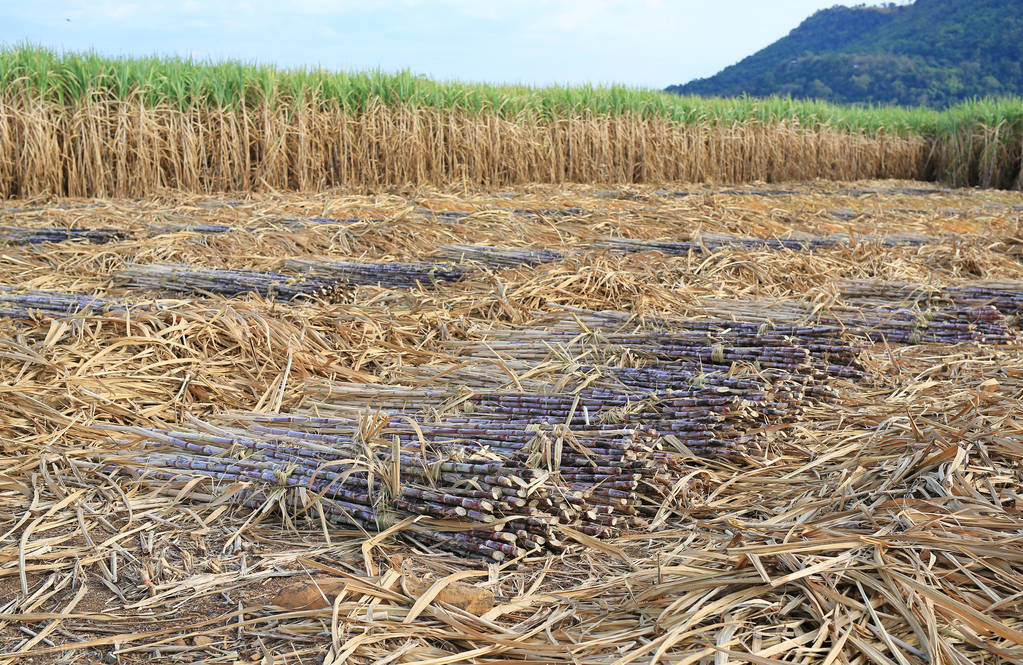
(126, 148)
(879, 526)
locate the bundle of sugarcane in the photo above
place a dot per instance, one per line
(341, 221)
(627, 245)
(879, 323)
(716, 350)
(875, 323)
(706, 354)
(489, 501)
(224, 281)
(498, 257)
(443, 215)
(188, 227)
(483, 374)
(846, 214)
(13, 235)
(726, 192)
(715, 241)
(705, 416)
(956, 325)
(49, 206)
(892, 191)
(381, 273)
(884, 293)
(904, 326)
(756, 192)
(650, 375)
(200, 227)
(548, 212)
(769, 354)
(29, 303)
(663, 376)
(510, 257)
(1006, 296)
(455, 215)
(711, 419)
(534, 445)
(684, 382)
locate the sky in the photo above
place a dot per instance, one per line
(645, 43)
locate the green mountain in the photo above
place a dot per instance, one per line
(930, 53)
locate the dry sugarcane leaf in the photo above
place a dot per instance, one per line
(314, 594)
(448, 590)
(910, 468)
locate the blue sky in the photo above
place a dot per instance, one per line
(651, 43)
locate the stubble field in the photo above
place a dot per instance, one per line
(776, 423)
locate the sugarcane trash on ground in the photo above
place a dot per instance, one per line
(561, 424)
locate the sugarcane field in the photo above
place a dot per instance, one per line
(553, 423)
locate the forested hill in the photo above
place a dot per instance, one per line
(932, 52)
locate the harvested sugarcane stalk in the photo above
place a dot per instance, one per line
(498, 257)
(979, 323)
(455, 215)
(12, 235)
(223, 281)
(28, 303)
(381, 273)
(189, 227)
(512, 257)
(597, 459)
(716, 241)
(1005, 296)
(374, 483)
